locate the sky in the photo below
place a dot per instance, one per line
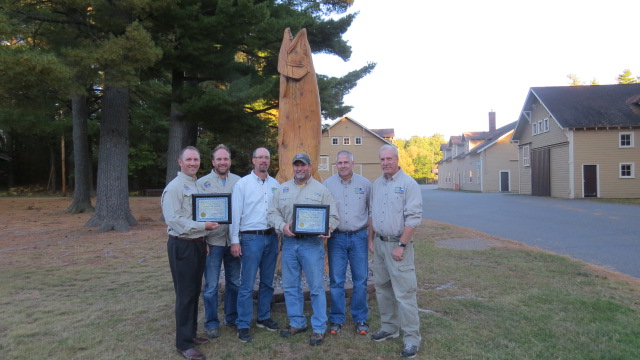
(442, 66)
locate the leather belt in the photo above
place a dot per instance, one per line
(258, 232)
(198, 239)
(388, 238)
(350, 232)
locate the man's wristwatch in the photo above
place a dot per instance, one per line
(400, 243)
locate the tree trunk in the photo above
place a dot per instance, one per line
(81, 158)
(181, 133)
(112, 201)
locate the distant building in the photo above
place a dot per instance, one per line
(348, 134)
(480, 160)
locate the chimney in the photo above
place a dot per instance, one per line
(492, 121)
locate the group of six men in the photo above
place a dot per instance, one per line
(379, 217)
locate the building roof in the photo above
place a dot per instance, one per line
(362, 126)
(385, 133)
(594, 106)
(495, 136)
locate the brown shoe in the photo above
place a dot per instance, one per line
(200, 340)
(192, 354)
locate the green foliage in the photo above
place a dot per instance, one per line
(627, 78)
(419, 155)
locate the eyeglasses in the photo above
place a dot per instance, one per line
(261, 157)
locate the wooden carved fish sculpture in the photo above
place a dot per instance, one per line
(299, 123)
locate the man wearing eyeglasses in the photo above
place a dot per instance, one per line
(255, 243)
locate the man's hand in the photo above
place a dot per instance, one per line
(398, 253)
(210, 225)
(287, 230)
(236, 250)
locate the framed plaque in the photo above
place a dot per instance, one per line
(310, 219)
(212, 207)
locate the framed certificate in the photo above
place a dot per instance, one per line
(310, 219)
(212, 207)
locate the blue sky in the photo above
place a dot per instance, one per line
(443, 65)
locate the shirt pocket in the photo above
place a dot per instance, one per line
(314, 199)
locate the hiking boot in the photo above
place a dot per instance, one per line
(244, 336)
(213, 333)
(316, 339)
(409, 351)
(268, 324)
(382, 335)
(290, 331)
(335, 328)
(362, 328)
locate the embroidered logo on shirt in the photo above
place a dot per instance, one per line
(399, 190)
(207, 184)
(273, 189)
(359, 190)
(186, 187)
(285, 189)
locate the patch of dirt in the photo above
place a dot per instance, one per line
(37, 233)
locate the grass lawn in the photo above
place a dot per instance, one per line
(67, 292)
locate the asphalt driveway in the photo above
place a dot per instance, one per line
(607, 235)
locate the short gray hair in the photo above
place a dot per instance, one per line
(345, 152)
(389, 147)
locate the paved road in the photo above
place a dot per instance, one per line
(607, 235)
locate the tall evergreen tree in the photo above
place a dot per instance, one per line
(627, 78)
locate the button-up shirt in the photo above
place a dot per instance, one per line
(177, 205)
(352, 200)
(396, 202)
(250, 202)
(214, 184)
(289, 193)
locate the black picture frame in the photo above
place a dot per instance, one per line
(212, 207)
(310, 219)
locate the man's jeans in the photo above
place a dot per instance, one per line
(351, 247)
(304, 253)
(217, 256)
(259, 252)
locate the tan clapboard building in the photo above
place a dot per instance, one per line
(364, 143)
(580, 141)
(480, 160)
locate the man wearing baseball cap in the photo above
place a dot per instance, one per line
(302, 252)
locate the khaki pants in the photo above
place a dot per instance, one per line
(396, 287)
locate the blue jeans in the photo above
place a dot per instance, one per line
(259, 252)
(217, 256)
(352, 248)
(304, 254)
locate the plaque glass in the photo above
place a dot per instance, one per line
(212, 207)
(310, 219)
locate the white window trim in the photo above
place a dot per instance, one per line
(337, 142)
(346, 141)
(323, 164)
(526, 156)
(620, 140)
(633, 170)
(355, 141)
(545, 124)
(534, 128)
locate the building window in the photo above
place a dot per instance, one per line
(626, 139)
(470, 177)
(478, 176)
(627, 170)
(334, 141)
(346, 141)
(534, 128)
(323, 164)
(545, 124)
(358, 140)
(526, 160)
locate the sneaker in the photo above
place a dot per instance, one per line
(268, 324)
(409, 351)
(290, 331)
(316, 339)
(213, 333)
(335, 328)
(382, 335)
(362, 328)
(244, 336)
